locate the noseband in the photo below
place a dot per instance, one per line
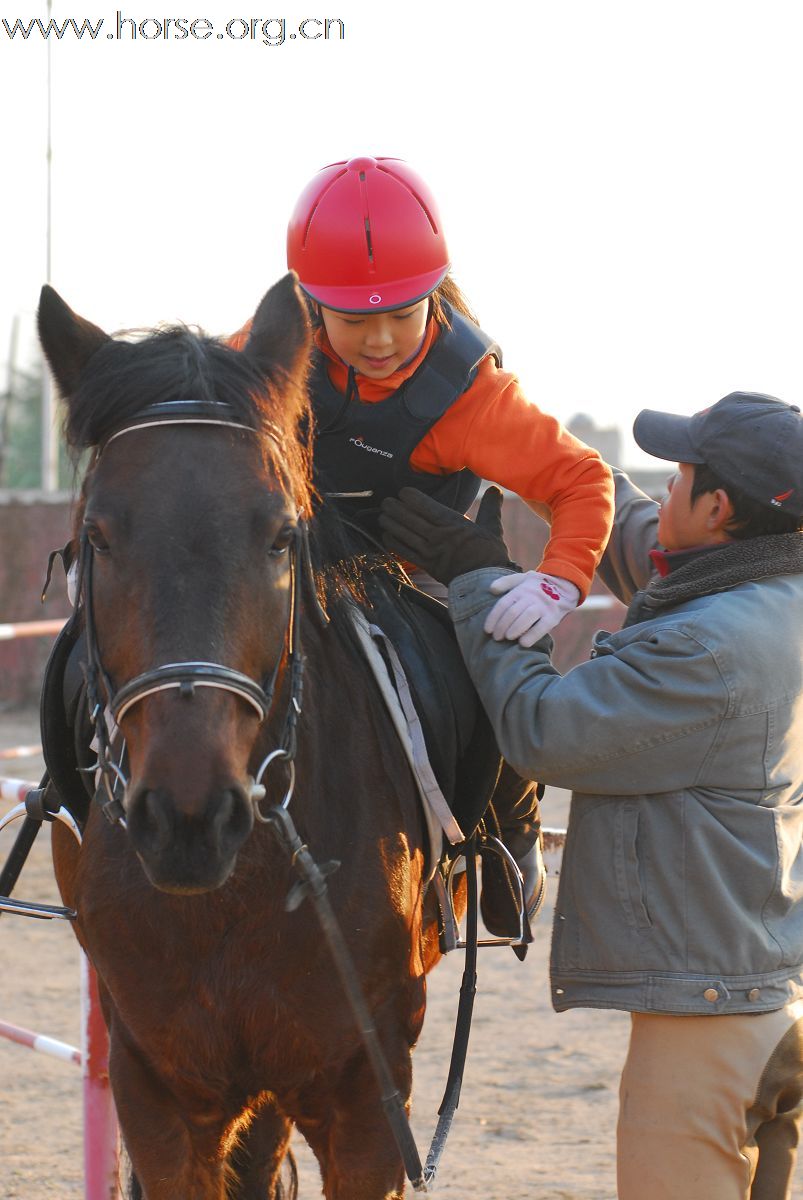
(185, 677)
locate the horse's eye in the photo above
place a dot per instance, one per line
(96, 539)
(283, 541)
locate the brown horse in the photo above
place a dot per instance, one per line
(227, 1024)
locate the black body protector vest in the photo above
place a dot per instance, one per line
(362, 451)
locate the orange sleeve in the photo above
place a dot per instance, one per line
(495, 431)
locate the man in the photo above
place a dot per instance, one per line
(681, 892)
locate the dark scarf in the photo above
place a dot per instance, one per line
(718, 570)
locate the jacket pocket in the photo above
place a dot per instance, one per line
(628, 867)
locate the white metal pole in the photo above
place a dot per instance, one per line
(49, 442)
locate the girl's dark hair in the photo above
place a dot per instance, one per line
(449, 291)
(750, 518)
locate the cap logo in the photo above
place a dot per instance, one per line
(375, 299)
(779, 499)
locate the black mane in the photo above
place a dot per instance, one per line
(174, 363)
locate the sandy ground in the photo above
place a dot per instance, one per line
(538, 1111)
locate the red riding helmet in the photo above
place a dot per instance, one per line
(366, 235)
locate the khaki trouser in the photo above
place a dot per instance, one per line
(710, 1108)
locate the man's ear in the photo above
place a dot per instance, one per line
(720, 513)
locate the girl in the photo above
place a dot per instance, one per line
(407, 390)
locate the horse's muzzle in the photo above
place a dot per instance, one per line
(188, 850)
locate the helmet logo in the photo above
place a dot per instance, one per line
(375, 299)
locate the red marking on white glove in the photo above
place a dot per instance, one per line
(550, 591)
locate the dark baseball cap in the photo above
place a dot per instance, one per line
(751, 441)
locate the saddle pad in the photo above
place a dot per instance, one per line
(398, 700)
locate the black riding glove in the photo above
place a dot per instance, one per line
(441, 541)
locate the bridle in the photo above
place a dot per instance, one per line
(186, 677)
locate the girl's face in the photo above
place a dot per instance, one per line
(376, 344)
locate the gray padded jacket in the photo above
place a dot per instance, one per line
(681, 889)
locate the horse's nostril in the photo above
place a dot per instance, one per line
(233, 817)
(148, 818)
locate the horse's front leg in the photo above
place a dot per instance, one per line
(353, 1143)
(173, 1158)
(259, 1155)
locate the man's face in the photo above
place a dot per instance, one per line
(681, 523)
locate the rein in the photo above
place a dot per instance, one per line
(312, 882)
(186, 677)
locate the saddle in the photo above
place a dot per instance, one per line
(460, 743)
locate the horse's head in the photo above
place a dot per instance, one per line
(188, 515)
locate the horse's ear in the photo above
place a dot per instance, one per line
(68, 340)
(280, 331)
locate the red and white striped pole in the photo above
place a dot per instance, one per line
(14, 791)
(39, 1042)
(20, 752)
(30, 628)
(101, 1137)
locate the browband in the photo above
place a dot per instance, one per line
(187, 412)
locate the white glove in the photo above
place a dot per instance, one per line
(533, 605)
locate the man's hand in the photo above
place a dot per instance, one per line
(441, 541)
(532, 605)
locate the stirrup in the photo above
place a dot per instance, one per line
(444, 883)
(34, 812)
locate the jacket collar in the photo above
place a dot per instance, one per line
(667, 561)
(734, 563)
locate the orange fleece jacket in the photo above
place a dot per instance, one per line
(500, 435)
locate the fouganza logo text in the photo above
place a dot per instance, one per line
(361, 444)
